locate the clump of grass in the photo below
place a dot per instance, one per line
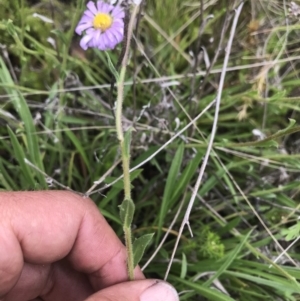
(55, 113)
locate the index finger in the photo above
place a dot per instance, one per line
(45, 226)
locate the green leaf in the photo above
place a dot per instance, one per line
(60, 35)
(169, 188)
(112, 67)
(229, 226)
(5, 179)
(269, 141)
(267, 279)
(291, 124)
(186, 176)
(10, 27)
(22, 108)
(109, 215)
(20, 156)
(77, 143)
(144, 155)
(292, 232)
(9, 119)
(210, 294)
(139, 246)
(126, 212)
(183, 266)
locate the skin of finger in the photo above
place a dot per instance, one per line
(111, 268)
(128, 291)
(33, 276)
(66, 285)
(47, 226)
(51, 282)
(11, 259)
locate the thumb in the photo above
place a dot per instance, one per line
(139, 290)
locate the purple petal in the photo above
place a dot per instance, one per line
(117, 27)
(89, 14)
(118, 22)
(101, 45)
(113, 41)
(82, 27)
(91, 31)
(119, 37)
(96, 38)
(111, 36)
(91, 6)
(85, 19)
(117, 9)
(84, 42)
(118, 13)
(106, 8)
(109, 44)
(117, 32)
(100, 5)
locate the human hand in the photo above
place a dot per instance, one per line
(55, 245)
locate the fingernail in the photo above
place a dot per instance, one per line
(160, 291)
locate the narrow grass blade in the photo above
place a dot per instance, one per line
(20, 156)
(186, 176)
(183, 267)
(21, 107)
(169, 188)
(210, 294)
(78, 147)
(6, 181)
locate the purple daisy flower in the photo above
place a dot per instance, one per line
(103, 25)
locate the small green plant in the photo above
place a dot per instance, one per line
(210, 245)
(292, 232)
(206, 245)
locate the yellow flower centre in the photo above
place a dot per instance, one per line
(102, 21)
